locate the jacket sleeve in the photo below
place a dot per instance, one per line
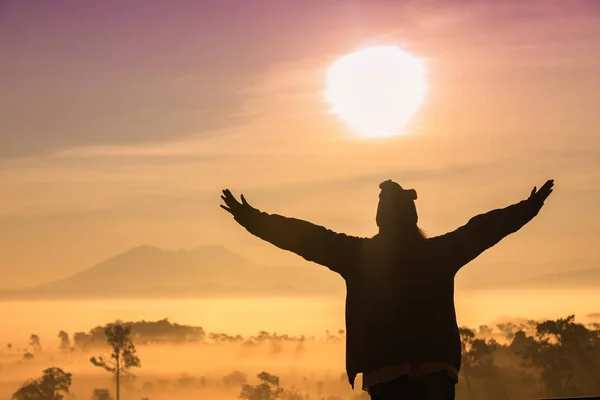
(312, 242)
(484, 231)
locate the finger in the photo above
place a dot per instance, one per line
(546, 190)
(549, 183)
(229, 199)
(227, 193)
(546, 195)
(226, 209)
(532, 192)
(244, 202)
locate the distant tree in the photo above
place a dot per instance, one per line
(293, 394)
(34, 342)
(123, 356)
(300, 347)
(81, 340)
(521, 343)
(28, 356)
(268, 389)
(478, 363)
(9, 346)
(234, 378)
(65, 343)
(185, 380)
(485, 330)
(148, 332)
(566, 354)
(51, 386)
(466, 338)
(320, 386)
(101, 394)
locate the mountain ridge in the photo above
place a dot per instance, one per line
(215, 270)
(204, 270)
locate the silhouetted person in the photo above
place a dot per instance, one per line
(401, 324)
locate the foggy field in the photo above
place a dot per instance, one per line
(193, 370)
(518, 359)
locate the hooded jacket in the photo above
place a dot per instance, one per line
(399, 301)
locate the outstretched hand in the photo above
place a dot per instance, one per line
(233, 206)
(539, 196)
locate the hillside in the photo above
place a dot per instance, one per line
(204, 271)
(218, 272)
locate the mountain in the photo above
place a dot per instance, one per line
(148, 271)
(204, 271)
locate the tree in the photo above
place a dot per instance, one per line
(485, 330)
(101, 394)
(320, 385)
(65, 343)
(28, 356)
(267, 390)
(564, 355)
(293, 394)
(34, 341)
(478, 364)
(123, 356)
(51, 386)
(81, 340)
(234, 378)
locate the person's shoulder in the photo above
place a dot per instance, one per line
(438, 241)
(354, 238)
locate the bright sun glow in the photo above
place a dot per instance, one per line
(377, 90)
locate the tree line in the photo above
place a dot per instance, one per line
(552, 358)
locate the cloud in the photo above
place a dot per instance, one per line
(161, 74)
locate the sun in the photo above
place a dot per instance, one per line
(376, 90)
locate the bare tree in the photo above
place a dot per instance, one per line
(123, 356)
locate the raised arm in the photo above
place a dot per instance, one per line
(312, 242)
(485, 230)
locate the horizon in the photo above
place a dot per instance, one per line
(470, 282)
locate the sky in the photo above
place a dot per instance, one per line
(120, 123)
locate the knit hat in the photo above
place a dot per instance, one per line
(405, 197)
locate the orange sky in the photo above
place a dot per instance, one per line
(120, 126)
